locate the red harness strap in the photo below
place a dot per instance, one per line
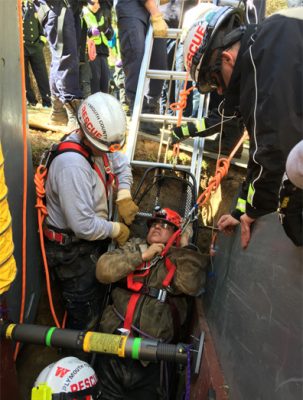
(135, 287)
(69, 146)
(171, 268)
(110, 177)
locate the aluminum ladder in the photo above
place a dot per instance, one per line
(137, 116)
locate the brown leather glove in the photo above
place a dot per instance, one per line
(120, 233)
(159, 25)
(127, 209)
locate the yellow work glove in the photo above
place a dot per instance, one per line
(120, 233)
(127, 209)
(159, 25)
(162, 2)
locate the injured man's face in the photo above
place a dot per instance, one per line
(159, 232)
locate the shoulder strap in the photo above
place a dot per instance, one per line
(69, 146)
(65, 147)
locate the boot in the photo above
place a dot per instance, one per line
(150, 106)
(58, 114)
(72, 109)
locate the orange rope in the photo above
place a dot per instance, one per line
(25, 170)
(40, 177)
(222, 168)
(181, 104)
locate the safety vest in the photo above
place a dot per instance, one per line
(93, 22)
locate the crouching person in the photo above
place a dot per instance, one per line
(82, 171)
(149, 299)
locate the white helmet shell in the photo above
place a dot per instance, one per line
(199, 39)
(103, 121)
(68, 375)
(194, 14)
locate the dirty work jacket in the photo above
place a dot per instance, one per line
(151, 316)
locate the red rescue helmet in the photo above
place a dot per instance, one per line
(167, 215)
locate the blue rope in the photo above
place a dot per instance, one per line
(187, 387)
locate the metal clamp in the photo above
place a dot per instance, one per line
(162, 295)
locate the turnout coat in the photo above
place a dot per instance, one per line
(152, 317)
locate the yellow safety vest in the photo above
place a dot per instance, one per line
(92, 22)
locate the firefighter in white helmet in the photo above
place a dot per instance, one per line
(66, 379)
(258, 69)
(83, 170)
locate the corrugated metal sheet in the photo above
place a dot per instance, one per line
(256, 313)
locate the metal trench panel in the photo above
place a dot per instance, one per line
(255, 313)
(12, 144)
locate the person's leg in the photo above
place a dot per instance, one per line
(127, 379)
(158, 61)
(63, 38)
(30, 95)
(74, 268)
(167, 95)
(132, 32)
(40, 73)
(85, 76)
(58, 115)
(95, 67)
(104, 79)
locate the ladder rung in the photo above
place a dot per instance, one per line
(167, 75)
(150, 164)
(167, 118)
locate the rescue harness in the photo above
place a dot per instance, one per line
(139, 289)
(66, 236)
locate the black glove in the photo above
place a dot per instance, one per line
(183, 132)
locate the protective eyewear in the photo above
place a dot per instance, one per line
(114, 147)
(162, 224)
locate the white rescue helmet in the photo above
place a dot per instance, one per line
(65, 379)
(216, 28)
(103, 121)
